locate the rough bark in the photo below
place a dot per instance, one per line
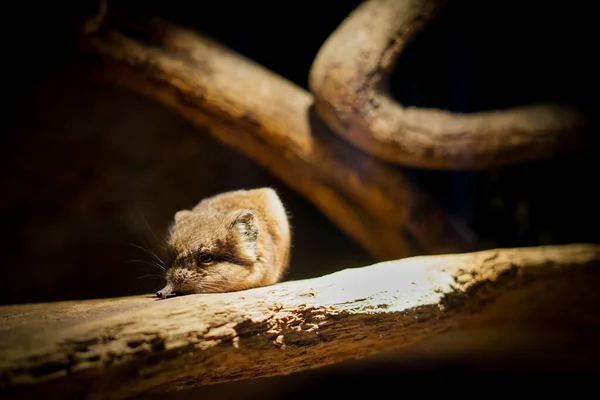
(270, 120)
(348, 79)
(118, 348)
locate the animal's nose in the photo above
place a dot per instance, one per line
(165, 292)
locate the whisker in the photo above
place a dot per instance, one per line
(148, 251)
(158, 258)
(149, 227)
(153, 264)
(155, 276)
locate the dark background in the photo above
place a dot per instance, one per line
(87, 167)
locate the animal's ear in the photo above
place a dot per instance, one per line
(245, 226)
(181, 215)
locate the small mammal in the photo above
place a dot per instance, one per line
(232, 241)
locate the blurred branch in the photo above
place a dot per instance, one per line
(119, 348)
(94, 22)
(349, 81)
(271, 121)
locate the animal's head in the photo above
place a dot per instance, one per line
(212, 252)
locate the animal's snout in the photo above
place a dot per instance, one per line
(165, 292)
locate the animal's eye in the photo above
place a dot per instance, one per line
(205, 258)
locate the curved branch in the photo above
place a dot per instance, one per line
(270, 120)
(119, 348)
(93, 23)
(348, 80)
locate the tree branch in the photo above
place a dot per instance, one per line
(348, 79)
(93, 23)
(270, 120)
(118, 348)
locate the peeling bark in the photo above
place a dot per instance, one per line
(348, 79)
(118, 348)
(270, 120)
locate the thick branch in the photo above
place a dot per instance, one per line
(118, 348)
(348, 80)
(269, 119)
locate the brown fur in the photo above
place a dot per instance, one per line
(247, 234)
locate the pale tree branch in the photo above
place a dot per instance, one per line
(119, 348)
(270, 120)
(349, 81)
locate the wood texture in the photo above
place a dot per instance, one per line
(270, 120)
(118, 348)
(348, 79)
